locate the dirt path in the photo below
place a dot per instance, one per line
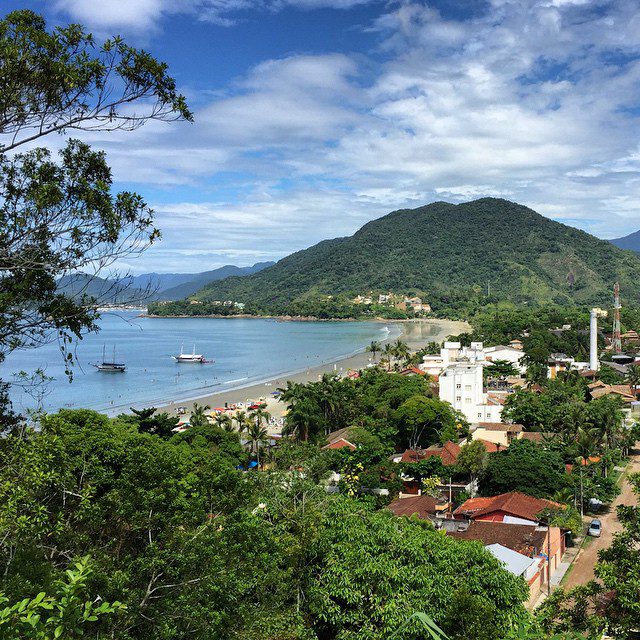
(582, 570)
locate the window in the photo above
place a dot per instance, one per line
(467, 400)
(458, 386)
(467, 387)
(458, 398)
(479, 415)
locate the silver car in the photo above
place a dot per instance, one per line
(595, 528)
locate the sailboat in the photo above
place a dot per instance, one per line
(189, 357)
(110, 367)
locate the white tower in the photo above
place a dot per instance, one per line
(594, 362)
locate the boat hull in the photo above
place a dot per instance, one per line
(110, 368)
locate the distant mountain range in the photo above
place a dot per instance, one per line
(441, 250)
(632, 242)
(136, 290)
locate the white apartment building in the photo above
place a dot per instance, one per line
(462, 386)
(476, 352)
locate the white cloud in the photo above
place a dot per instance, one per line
(534, 100)
(145, 15)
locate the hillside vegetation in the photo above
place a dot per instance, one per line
(444, 251)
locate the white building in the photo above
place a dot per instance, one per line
(476, 352)
(462, 386)
(510, 354)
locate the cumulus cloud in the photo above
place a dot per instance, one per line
(534, 100)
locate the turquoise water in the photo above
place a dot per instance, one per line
(245, 350)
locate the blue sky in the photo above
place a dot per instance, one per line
(314, 116)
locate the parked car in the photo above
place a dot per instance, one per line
(595, 528)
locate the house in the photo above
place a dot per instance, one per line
(497, 432)
(516, 563)
(536, 436)
(545, 546)
(491, 447)
(511, 354)
(448, 453)
(412, 371)
(599, 389)
(516, 344)
(558, 363)
(417, 305)
(339, 439)
(340, 443)
(423, 507)
(513, 507)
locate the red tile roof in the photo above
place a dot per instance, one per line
(411, 371)
(448, 453)
(501, 426)
(492, 447)
(522, 538)
(340, 443)
(421, 506)
(514, 503)
(411, 455)
(496, 398)
(535, 436)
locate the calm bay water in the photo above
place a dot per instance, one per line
(245, 351)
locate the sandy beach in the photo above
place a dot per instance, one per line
(416, 333)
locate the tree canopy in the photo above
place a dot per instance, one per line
(59, 215)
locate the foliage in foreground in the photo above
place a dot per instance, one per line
(194, 547)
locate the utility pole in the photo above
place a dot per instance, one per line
(548, 559)
(581, 493)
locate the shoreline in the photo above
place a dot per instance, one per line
(415, 332)
(250, 316)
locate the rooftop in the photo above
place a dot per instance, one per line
(501, 426)
(522, 538)
(514, 562)
(514, 503)
(448, 453)
(420, 506)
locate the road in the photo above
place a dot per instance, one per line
(582, 570)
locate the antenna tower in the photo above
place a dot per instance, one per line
(616, 342)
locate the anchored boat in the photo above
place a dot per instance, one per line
(112, 366)
(193, 357)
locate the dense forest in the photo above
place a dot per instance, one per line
(446, 254)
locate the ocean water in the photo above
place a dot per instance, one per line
(244, 350)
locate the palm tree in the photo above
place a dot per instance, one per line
(223, 421)
(242, 420)
(374, 348)
(388, 352)
(401, 349)
(257, 436)
(198, 416)
(259, 416)
(300, 420)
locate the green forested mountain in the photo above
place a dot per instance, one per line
(443, 249)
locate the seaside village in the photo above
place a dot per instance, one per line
(535, 532)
